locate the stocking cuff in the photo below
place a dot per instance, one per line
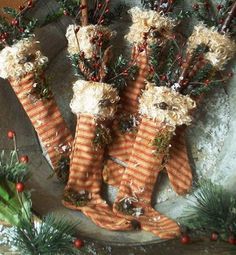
(144, 21)
(221, 47)
(95, 98)
(80, 39)
(166, 106)
(21, 58)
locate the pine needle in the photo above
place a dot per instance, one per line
(53, 236)
(11, 169)
(213, 209)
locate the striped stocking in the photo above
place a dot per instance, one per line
(123, 141)
(85, 180)
(46, 119)
(178, 168)
(94, 103)
(134, 198)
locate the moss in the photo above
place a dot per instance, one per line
(41, 89)
(78, 199)
(62, 169)
(161, 142)
(102, 136)
(128, 208)
(127, 124)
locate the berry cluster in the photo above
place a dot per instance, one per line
(18, 27)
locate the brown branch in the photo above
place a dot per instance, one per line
(185, 70)
(231, 15)
(84, 12)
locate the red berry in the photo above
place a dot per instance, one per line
(232, 240)
(21, 29)
(196, 6)
(125, 73)
(15, 22)
(214, 236)
(207, 82)
(30, 3)
(65, 12)
(107, 10)
(219, 7)
(24, 159)
(11, 134)
(230, 74)
(101, 21)
(221, 21)
(21, 7)
(185, 239)
(4, 36)
(163, 78)
(207, 5)
(78, 243)
(20, 187)
(107, 1)
(99, 5)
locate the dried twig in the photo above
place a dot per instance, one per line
(84, 12)
(229, 18)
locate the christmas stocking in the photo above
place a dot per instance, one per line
(126, 122)
(23, 66)
(94, 103)
(178, 167)
(161, 110)
(148, 28)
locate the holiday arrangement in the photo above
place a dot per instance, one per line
(132, 113)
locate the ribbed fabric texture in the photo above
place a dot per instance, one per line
(139, 179)
(178, 167)
(86, 176)
(123, 142)
(46, 119)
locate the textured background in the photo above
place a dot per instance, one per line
(210, 143)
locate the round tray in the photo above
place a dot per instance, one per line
(211, 150)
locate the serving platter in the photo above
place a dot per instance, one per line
(210, 139)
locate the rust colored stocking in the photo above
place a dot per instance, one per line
(122, 145)
(124, 138)
(46, 119)
(135, 192)
(84, 186)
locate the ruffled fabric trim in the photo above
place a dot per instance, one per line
(167, 106)
(221, 47)
(21, 58)
(96, 98)
(80, 39)
(143, 21)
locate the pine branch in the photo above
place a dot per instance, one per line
(121, 72)
(42, 89)
(213, 209)
(18, 29)
(230, 16)
(11, 169)
(52, 236)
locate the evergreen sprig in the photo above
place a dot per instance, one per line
(11, 169)
(213, 209)
(42, 88)
(203, 11)
(11, 32)
(215, 14)
(164, 69)
(120, 72)
(52, 236)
